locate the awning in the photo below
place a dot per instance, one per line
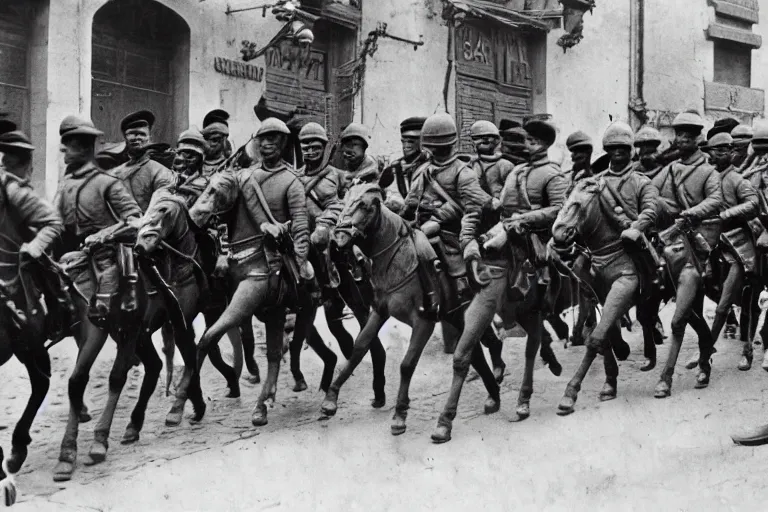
(497, 13)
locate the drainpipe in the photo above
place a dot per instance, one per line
(637, 108)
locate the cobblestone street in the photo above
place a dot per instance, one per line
(673, 454)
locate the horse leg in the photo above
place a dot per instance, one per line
(706, 343)
(306, 329)
(688, 285)
(153, 365)
(274, 327)
(364, 340)
(494, 346)
(38, 366)
(217, 360)
(237, 350)
(249, 350)
(92, 342)
(126, 350)
(647, 312)
(421, 331)
(558, 325)
(334, 314)
(169, 349)
(533, 325)
(566, 405)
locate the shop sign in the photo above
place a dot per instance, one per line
(297, 60)
(238, 69)
(495, 53)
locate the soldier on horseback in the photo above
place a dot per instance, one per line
(690, 198)
(742, 138)
(359, 166)
(216, 133)
(490, 167)
(401, 171)
(90, 200)
(580, 146)
(188, 164)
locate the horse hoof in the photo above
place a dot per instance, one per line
(329, 407)
(662, 390)
(566, 406)
(765, 362)
(234, 390)
(398, 426)
(492, 405)
(745, 364)
(621, 350)
(608, 392)
(253, 379)
(442, 434)
(702, 380)
(556, 368)
(523, 411)
(259, 417)
(131, 435)
(8, 491)
(301, 385)
(199, 413)
(98, 452)
(498, 372)
(692, 362)
(173, 418)
(84, 417)
(63, 471)
(376, 403)
(649, 365)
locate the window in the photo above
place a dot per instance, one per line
(733, 63)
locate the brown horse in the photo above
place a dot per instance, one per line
(23, 335)
(165, 219)
(266, 298)
(385, 238)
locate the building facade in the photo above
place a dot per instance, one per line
(377, 62)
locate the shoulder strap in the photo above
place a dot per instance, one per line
(308, 188)
(262, 199)
(442, 193)
(619, 200)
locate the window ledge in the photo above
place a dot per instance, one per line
(736, 10)
(719, 31)
(733, 98)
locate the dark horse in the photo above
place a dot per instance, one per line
(22, 334)
(222, 198)
(583, 217)
(385, 238)
(165, 219)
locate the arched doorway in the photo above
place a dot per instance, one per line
(140, 61)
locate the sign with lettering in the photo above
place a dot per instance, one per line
(493, 52)
(238, 69)
(300, 61)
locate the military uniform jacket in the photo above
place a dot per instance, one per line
(211, 166)
(534, 193)
(142, 177)
(651, 174)
(637, 193)
(191, 186)
(739, 197)
(366, 172)
(89, 200)
(575, 176)
(323, 200)
(458, 181)
(285, 197)
(403, 169)
(26, 217)
(690, 185)
(492, 171)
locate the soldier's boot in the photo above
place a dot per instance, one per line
(107, 278)
(429, 279)
(130, 301)
(62, 314)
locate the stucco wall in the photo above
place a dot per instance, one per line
(401, 82)
(212, 34)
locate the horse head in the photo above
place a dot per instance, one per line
(362, 206)
(578, 212)
(165, 219)
(218, 197)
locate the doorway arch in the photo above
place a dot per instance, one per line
(140, 60)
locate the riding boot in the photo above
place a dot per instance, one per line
(428, 279)
(130, 297)
(107, 280)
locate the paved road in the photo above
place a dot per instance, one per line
(634, 453)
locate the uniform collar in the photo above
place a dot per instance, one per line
(281, 166)
(87, 168)
(726, 171)
(490, 158)
(304, 172)
(694, 159)
(539, 160)
(142, 159)
(621, 172)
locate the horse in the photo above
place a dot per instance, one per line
(22, 335)
(256, 296)
(583, 217)
(165, 220)
(385, 238)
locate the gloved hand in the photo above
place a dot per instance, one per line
(516, 226)
(31, 250)
(271, 229)
(222, 266)
(320, 237)
(395, 203)
(306, 271)
(472, 251)
(94, 239)
(497, 242)
(495, 203)
(430, 228)
(631, 234)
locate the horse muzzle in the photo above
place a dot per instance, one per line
(563, 235)
(147, 240)
(343, 236)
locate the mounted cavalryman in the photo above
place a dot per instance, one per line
(647, 142)
(88, 201)
(580, 146)
(513, 146)
(488, 164)
(742, 138)
(188, 165)
(359, 166)
(216, 133)
(401, 170)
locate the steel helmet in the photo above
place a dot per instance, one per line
(647, 135)
(688, 119)
(439, 130)
(542, 130)
(483, 128)
(578, 140)
(191, 139)
(721, 139)
(313, 131)
(743, 131)
(760, 133)
(618, 134)
(272, 125)
(356, 130)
